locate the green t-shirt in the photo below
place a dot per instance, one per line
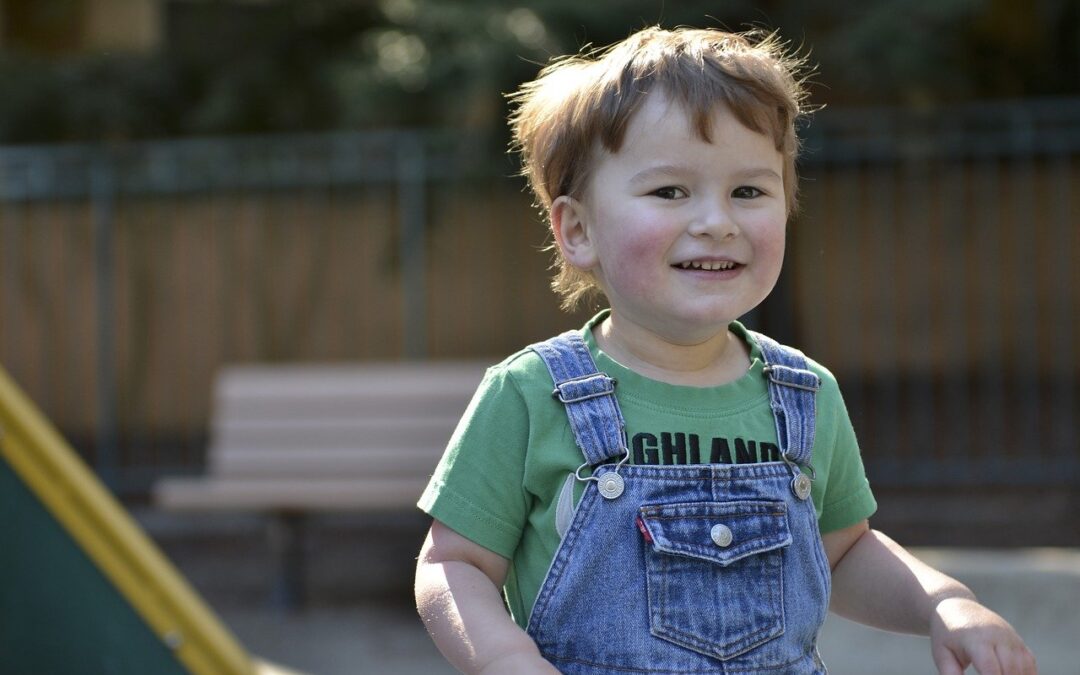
(499, 482)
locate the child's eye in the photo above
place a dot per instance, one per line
(746, 192)
(669, 192)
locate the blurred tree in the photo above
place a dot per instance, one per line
(453, 61)
(925, 52)
(47, 26)
(278, 65)
(897, 51)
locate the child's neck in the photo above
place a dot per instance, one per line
(717, 360)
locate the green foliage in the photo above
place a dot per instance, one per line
(901, 49)
(924, 52)
(331, 64)
(99, 97)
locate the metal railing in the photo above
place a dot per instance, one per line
(957, 229)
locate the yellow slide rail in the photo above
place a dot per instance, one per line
(93, 518)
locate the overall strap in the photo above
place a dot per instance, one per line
(792, 386)
(588, 396)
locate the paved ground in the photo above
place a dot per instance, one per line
(361, 621)
(1037, 590)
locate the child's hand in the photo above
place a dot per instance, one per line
(963, 633)
(523, 664)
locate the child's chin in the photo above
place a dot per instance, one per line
(704, 325)
(713, 313)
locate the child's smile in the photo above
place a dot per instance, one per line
(710, 265)
(683, 235)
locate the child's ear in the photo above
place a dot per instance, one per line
(570, 226)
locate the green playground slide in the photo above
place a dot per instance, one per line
(82, 589)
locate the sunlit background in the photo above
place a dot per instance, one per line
(187, 184)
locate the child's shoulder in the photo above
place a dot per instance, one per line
(524, 370)
(829, 386)
(828, 380)
(527, 371)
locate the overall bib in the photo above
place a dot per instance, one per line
(709, 568)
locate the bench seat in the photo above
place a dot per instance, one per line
(295, 439)
(300, 494)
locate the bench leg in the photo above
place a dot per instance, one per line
(286, 533)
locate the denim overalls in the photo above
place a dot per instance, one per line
(684, 569)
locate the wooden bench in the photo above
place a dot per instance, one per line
(292, 440)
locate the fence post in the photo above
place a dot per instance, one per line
(103, 203)
(412, 254)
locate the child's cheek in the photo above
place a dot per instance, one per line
(640, 261)
(771, 249)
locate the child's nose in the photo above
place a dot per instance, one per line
(715, 219)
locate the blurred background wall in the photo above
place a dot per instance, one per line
(190, 183)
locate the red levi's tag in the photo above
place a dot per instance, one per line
(644, 530)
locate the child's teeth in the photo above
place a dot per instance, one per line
(707, 265)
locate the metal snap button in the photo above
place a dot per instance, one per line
(801, 486)
(610, 484)
(721, 535)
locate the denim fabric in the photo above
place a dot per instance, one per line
(693, 569)
(589, 397)
(791, 396)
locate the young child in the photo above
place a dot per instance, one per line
(689, 493)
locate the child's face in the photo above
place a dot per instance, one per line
(682, 235)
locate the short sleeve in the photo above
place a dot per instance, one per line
(476, 489)
(846, 498)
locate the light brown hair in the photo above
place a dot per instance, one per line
(579, 100)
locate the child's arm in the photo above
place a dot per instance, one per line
(878, 583)
(457, 594)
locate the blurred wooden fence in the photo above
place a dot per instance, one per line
(933, 268)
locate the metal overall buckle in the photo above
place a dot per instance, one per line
(610, 484)
(801, 484)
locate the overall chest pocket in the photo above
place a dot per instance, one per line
(715, 573)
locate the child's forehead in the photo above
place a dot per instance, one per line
(659, 107)
(658, 111)
(664, 144)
